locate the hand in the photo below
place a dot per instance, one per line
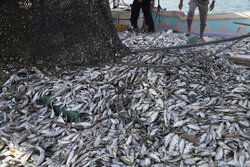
(212, 6)
(180, 5)
(140, 1)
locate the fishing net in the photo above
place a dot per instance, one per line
(40, 29)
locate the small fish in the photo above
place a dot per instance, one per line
(194, 127)
(191, 161)
(233, 163)
(203, 138)
(2, 144)
(153, 92)
(168, 139)
(41, 156)
(211, 163)
(181, 146)
(219, 154)
(242, 159)
(36, 97)
(97, 140)
(180, 123)
(224, 146)
(189, 147)
(71, 154)
(153, 116)
(154, 157)
(220, 129)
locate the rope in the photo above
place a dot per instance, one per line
(173, 65)
(181, 47)
(190, 46)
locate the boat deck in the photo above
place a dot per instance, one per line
(220, 24)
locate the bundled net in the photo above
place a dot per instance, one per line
(38, 30)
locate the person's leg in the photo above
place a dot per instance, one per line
(192, 7)
(147, 15)
(135, 11)
(203, 9)
(189, 24)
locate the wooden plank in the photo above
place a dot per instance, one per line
(242, 60)
(242, 63)
(245, 24)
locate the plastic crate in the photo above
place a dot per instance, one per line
(121, 27)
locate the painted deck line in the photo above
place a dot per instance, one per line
(214, 16)
(221, 24)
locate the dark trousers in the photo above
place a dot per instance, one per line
(135, 11)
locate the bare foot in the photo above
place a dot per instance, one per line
(187, 33)
(202, 40)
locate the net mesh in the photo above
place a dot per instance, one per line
(39, 29)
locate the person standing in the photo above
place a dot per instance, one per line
(135, 11)
(203, 10)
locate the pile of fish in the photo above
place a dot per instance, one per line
(195, 111)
